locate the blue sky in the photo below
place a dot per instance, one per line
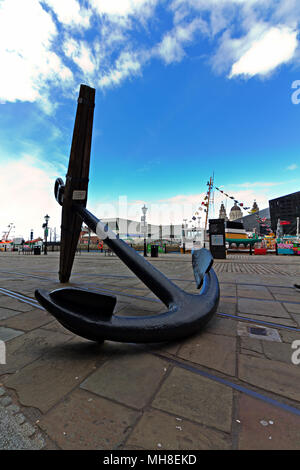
(184, 88)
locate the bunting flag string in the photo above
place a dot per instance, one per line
(262, 222)
(241, 204)
(204, 205)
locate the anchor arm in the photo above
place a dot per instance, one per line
(159, 284)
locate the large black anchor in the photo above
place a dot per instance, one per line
(90, 314)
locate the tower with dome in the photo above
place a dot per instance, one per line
(222, 213)
(235, 213)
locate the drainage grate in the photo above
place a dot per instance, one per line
(258, 331)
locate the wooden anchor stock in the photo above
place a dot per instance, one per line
(77, 180)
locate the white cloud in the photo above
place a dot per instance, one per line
(254, 36)
(27, 60)
(54, 44)
(170, 49)
(128, 64)
(118, 9)
(292, 167)
(27, 190)
(81, 54)
(171, 46)
(260, 184)
(277, 46)
(70, 13)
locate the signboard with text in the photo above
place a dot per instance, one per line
(217, 238)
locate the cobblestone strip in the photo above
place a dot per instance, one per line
(16, 432)
(253, 268)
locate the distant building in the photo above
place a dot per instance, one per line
(251, 223)
(286, 209)
(222, 213)
(131, 229)
(235, 213)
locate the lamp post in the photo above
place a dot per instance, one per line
(184, 235)
(89, 240)
(144, 209)
(45, 227)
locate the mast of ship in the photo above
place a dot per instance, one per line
(5, 235)
(210, 185)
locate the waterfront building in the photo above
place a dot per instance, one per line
(222, 213)
(286, 209)
(235, 213)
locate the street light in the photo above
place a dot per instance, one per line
(183, 234)
(144, 209)
(45, 227)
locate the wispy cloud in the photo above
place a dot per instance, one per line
(127, 64)
(260, 184)
(28, 63)
(27, 183)
(292, 167)
(171, 48)
(70, 13)
(54, 44)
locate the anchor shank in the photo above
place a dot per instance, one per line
(159, 284)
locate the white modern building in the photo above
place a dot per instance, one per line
(132, 229)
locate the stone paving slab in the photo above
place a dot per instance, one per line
(265, 427)
(196, 398)
(280, 378)
(160, 431)
(268, 307)
(289, 336)
(257, 292)
(129, 379)
(228, 289)
(296, 317)
(47, 380)
(84, 421)
(277, 352)
(279, 290)
(212, 351)
(269, 319)
(7, 334)
(222, 326)
(7, 313)
(292, 308)
(28, 321)
(293, 296)
(228, 306)
(13, 304)
(251, 344)
(54, 325)
(21, 351)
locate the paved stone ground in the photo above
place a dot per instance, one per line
(227, 387)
